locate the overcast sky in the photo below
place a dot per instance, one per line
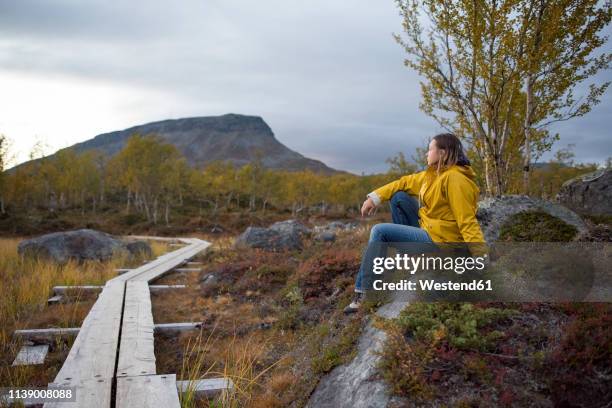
(326, 76)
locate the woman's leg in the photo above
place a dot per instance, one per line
(380, 236)
(404, 209)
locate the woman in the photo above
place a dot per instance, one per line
(445, 210)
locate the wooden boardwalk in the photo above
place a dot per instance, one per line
(113, 354)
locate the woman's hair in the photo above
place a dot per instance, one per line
(453, 151)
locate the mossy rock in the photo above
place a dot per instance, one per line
(536, 226)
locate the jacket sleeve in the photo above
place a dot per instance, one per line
(463, 199)
(410, 183)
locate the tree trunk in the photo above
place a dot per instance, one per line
(527, 130)
(155, 211)
(167, 213)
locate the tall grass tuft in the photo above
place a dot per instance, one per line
(240, 364)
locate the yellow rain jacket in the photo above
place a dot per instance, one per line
(448, 203)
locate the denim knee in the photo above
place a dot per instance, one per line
(399, 196)
(376, 233)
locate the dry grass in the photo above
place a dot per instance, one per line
(258, 327)
(238, 359)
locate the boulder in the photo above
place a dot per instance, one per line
(494, 212)
(209, 279)
(336, 226)
(80, 245)
(588, 194)
(139, 248)
(326, 236)
(283, 235)
(292, 227)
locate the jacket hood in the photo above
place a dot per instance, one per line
(466, 170)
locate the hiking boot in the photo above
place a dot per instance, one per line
(355, 303)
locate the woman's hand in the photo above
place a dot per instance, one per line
(367, 207)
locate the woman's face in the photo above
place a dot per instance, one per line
(433, 154)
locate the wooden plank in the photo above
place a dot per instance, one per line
(54, 300)
(63, 290)
(177, 327)
(89, 393)
(90, 365)
(165, 263)
(161, 265)
(163, 288)
(50, 333)
(136, 353)
(147, 391)
(208, 387)
(187, 270)
(151, 238)
(31, 355)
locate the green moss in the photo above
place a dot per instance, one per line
(290, 304)
(426, 334)
(600, 219)
(536, 226)
(461, 324)
(339, 350)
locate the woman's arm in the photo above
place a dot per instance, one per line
(410, 183)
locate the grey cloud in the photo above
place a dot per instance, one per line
(327, 76)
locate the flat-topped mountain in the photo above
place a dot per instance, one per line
(231, 137)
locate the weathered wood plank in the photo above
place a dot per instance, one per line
(177, 327)
(48, 334)
(31, 355)
(52, 333)
(89, 393)
(90, 365)
(163, 288)
(208, 387)
(160, 265)
(63, 290)
(136, 353)
(147, 391)
(187, 270)
(165, 263)
(54, 300)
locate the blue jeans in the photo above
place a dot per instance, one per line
(405, 228)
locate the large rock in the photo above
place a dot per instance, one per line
(336, 226)
(358, 384)
(291, 227)
(588, 194)
(80, 245)
(494, 212)
(282, 235)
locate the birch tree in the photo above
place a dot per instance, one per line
(475, 56)
(562, 37)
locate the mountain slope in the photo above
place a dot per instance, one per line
(231, 137)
